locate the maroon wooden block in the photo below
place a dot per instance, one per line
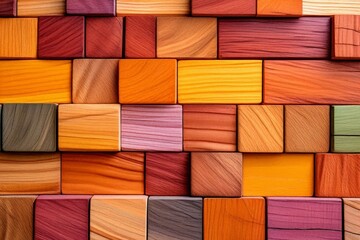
(104, 37)
(91, 7)
(61, 37)
(7, 8)
(223, 7)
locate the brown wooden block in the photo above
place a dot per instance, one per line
(352, 218)
(85, 7)
(38, 8)
(153, 7)
(223, 7)
(8, 8)
(346, 37)
(279, 8)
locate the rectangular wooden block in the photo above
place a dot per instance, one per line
(153, 7)
(345, 120)
(345, 144)
(91, 8)
(278, 174)
(346, 37)
(351, 218)
(223, 7)
(37, 8)
(279, 8)
(8, 8)
(330, 7)
(219, 81)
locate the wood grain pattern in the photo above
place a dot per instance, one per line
(330, 7)
(102, 173)
(147, 81)
(275, 38)
(186, 37)
(0, 128)
(223, 7)
(95, 81)
(346, 37)
(345, 144)
(216, 174)
(8, 8)
(89, 127)
(311, 82)
(36, 173)
(38, 8)
(118, 217)
(260, 128)
(167, 174)
(175, 218)
(91, 8)
(351, 218)
(234, 218)
(219, 81)
(209, 127)
(345, 120)
(153, 7)
(279, 8)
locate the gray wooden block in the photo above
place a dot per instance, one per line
(345, 120)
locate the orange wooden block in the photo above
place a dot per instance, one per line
(41, 7)
(279, 8)
(346, 37)
(352, 218)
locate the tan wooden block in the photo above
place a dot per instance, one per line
(41, 7)
(346, 37)
(352, 218)
(153, 7)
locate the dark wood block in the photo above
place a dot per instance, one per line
(223, 7)
(8, 8)
(91, 7)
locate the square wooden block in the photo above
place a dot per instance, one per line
(346, 37)
(91, 8)
(37, 8)
(345, 120)
(8, 8)
(351, 218)
(223, 7)
(279, 8)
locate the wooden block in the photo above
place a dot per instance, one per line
(153, 7)
(103, 173)
(345, 120)
(151, 128)
(8, 8)
(216, 174)
(167, 174)
(0, 128)
(118, 217)
(38, 8)
(345, 144)
(351, 218)
(275, 38)
(223, 8)
(278, 174)
(209, 127)
(219, 81)
(279, 8)
(330, 7)
(260, 128)
(95, 81)
(175, 218)
(140, 37)
(147, 81)
(89, 127)
(186, 37)
(36, 173)
(104, 37)
(234, 218)
(346, 37)
(91, 8)
(304, 218)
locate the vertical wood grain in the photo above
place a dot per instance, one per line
(352, 218)
(279, 8)
(8, 8)
(346, 37)
(91, 8)
(330, 7)
(37, 8)
(223, 7)
(153, 7)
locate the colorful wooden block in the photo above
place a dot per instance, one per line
(345, 120)
(102, 173)
(346, 37)
(175, 218)
(186, 37)
(304, 218)
(91, 8)
(147, 81)
(167, 174)
(234, 218)
(153, 7)
(278, 174)
(89, 127)
(351, 218)
(209, 127)
(151, 128)
(279, 8)
(8, 8)
(330, 7)
(38, 8)
(260, 128)
(216, 174)
(345, 144)
(118, 217)
(219, 81)
(223, 7)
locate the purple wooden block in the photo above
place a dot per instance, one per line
(91, 7)
(151, 127)
(304, 218)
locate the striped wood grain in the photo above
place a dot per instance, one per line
(352, 218)
(330, 7)
(223, 7)
(345, 120)
(38, 8)
(153, 7)
(279, 8)
(8, 8)
(345, 144)
(346, 37)
(91, 8)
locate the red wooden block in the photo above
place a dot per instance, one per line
(7, 8)
(91, 7)
(223, 7)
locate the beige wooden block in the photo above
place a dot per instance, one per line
(41, 7)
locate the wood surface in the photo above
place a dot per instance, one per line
(147, 81)
(186, 37)
(337, 175)
(118, 217)
(61, 37)
(89, 127)
(275, 38)
(351, 218)
(36, 173)
(95, 80)
(311, 82)
(223, 7)
(345, 120)
(278, 174)
(304, 218)
(279, 8)
(346, 37)
(91, 7)
(345, 144)
(219, 81)
(234, 218)
(330, 7)
(216, 174)
(102, 173)
(151, 128)
(153, 7)
(175, 218)
(209, 127)
(104, 37)
(260, 128)
(8, 8)
(38, 8)
(167, 174)
(0, 128)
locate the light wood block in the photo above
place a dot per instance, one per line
(279, 8)
(223, 7)
(345, 144)
(352, 218)
(345, 120)
(38, 8)
(330, 7)
(346, 37)
(153, 7)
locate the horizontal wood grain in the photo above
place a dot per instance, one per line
(330, 7)
(153, 7)
(279, 8)
(38, 8)
(351, 218)
(346, 37)
(91, 8)
(345, 144)
(345, 120)
(8, 8)
(223, 7)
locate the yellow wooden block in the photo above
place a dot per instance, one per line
(18, 37)
(220, 81)
(331, 7)
(35, 81)
(278, 174)
(40, 7)
(153, 7)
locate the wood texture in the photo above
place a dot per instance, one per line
(209, 127)
(95, 81)
(89, 127)
(175, 218)
(8, 8)
(223, 7)
(311, 82)
(147, 81)
(346, 37)
(91, 8)
(219, 81)
(118, 217)
(345, 144)
(234, 218)
(186, 37)
(260, 128)
(330, 7)
(167, 174)
(351, 218)
(345, 120)
(153, 7)
(151, 128)
(103, 173)
(275, 38)
(36, 173)
(38, 8)
(279, 8)
(216, 174)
